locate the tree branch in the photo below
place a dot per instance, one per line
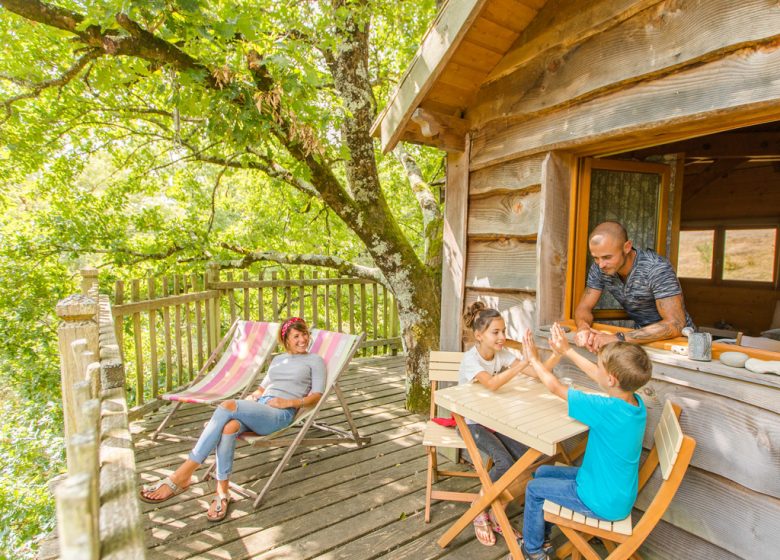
(37, 88)
(420, 187)
(344, 267)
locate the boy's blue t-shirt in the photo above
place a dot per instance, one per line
(608, 479)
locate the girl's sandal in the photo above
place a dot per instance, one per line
(497, 528)
(483, 530)
(221, 507)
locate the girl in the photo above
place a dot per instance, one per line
(295, 379)
(491, 365)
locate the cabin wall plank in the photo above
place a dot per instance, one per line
(738, 89)
(552, 245)
(697, 507)
(517, 308)
(506, 214)
(454, 253)
(504, 264)
(507, 177)
(664, 38)
(668, 542)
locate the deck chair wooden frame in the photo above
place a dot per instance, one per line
(229, 371)
(673, 452)
(443, 368)
(306, 418)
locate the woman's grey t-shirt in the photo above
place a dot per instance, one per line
(293, 376)
(473, 363)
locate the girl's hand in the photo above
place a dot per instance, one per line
(278, 402)
(253, 396)
(529, 347)
(558, 342)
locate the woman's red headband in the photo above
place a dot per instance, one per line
(289, 322)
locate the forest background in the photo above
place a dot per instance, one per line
(139, 165)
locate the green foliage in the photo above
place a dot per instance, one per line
(116, 169)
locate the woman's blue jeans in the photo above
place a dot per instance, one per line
(253, 416)
(503, 450)
(558, 485)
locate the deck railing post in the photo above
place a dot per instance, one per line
(78, 322)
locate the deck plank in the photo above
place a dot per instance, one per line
(332, 503)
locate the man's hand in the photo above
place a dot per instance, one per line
(558, 341)
(599, 340)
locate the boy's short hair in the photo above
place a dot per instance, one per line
(629, 363)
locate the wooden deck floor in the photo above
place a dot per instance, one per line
(332, 502)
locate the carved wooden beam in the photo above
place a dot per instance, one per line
(437, 129)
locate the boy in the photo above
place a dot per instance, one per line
(605, 486)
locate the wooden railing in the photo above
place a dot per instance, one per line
(167, 327)
(98, 514)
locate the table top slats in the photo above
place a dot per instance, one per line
(522, 409)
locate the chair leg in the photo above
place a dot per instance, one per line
(429, 482)
(434, 460)
(351, 421)
(165, 421)
(580, 543)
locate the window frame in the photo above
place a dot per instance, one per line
(719, 251)
(579, 223)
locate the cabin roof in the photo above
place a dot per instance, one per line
(464, 48)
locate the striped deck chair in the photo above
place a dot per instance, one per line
(337, 350)
(236, 372)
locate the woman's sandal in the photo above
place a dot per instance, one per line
(497, 528)
(153, 487)
(483, 530)
(221, 508)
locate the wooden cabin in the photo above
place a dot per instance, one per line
(664, 115)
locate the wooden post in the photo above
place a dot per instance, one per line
(232, 299)
(83, 458)
(327, 301)
(119, 324)
(339, 327)
(78, 315)
(139, 355)
(89, 282)
(314, 308)
(375, 312)
(274, 297)
(75, 526)
(198, 323)
(301, 297)
(153, 364)
(166, 313)
(246, 313)
(260, 298)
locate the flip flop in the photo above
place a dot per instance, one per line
(482, 522)
(153, 487)
(220, 510)
(497, 528)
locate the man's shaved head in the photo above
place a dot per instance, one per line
(608, 231)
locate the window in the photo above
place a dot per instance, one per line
(632, 193)
(696, 254)
(728, 253)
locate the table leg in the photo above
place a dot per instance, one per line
(491, 491)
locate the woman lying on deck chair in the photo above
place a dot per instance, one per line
(295, 379)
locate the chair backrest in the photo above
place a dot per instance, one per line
(442, 367)
(245, 355)
(668, 438)
(336, 350)
(673, 451)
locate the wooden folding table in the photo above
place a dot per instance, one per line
(523, 410)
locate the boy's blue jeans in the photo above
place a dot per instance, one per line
(556, 484)
(254, 416)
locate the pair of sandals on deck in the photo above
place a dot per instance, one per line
(218, 509)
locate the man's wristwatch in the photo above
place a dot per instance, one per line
(620, 336)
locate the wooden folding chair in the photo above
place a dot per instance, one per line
(673, 451)
(443, 367)
(336, 350)
(251, 344)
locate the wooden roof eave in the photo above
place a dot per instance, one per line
(437, 47)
